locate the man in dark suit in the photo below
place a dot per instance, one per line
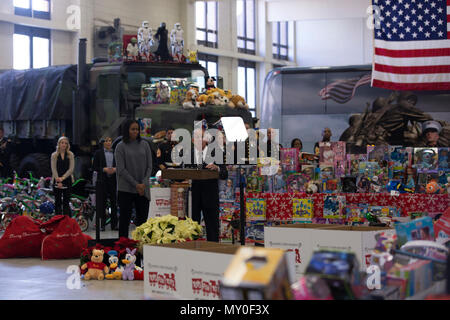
(205, 193)
(106, 186)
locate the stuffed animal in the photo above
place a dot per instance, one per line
(96, 269)
(129, 262)
(203, 100)
(237, 101)
(190, 102)
(115, 272)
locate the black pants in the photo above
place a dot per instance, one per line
(62, 199)
(210, 214)
(106, 190)
(126, 201)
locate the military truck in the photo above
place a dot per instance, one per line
(86, 102)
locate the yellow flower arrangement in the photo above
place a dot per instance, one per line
(166, 229)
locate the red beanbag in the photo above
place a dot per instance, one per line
(22, 239)
(66, 240)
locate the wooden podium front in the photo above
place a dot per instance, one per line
(189, 174)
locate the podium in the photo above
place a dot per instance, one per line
(189, 174)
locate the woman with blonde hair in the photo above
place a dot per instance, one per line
(62, 164)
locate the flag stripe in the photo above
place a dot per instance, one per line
(413, 53)
(411, 86)
(412, 45)
(405, 62)
(412, 70)
(411, 78)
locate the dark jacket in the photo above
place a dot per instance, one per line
(208, 190)
(100, 163)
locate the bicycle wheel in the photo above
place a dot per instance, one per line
(83, 223)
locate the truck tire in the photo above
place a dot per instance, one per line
(36, 163)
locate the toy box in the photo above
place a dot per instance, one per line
(333, 207)
(308, 170)
(338, 148)
(254, 183)
(256, 209)
(254, 232)
(146, 127)
(303, 210)
(227, 189)
(418, 276)
(356, 214)
(353, 161)
(418, 229)
(148, 94)
(296, 182)
(330, 185)
(348, 184)
(444, 159)
(426, 159)
(326, 171)
(326, 154)
(227, 209)
(378, 153)
(258, 274)
(115, 54)
(289, 159)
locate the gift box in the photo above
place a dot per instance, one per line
(256, 209)
(303, 210)
(257, 274)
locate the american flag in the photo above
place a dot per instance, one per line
(412, 46)
(344, 90)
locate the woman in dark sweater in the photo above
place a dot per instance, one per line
(62, 165)
(134, 168)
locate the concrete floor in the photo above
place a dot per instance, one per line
(34, 279)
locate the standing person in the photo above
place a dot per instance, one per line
(62, 165)
(4, 155)
(106, 186)
(271, 134)
(205, 193)
(297, 143)
(164, 153)
(134, 168)
(326, 137)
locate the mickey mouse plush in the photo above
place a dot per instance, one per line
(210, 83)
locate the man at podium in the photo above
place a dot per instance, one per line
(205, 193)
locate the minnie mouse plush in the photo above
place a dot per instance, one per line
(210, 83)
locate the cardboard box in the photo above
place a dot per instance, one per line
(257, 274)
(188, 270)
(304, 239)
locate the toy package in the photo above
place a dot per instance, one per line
(353, 161)
(254, 183)
(444, 160)
(227, 208)
(308, 170)
(256, 209)
(289, 159)
(227, 189)
(362, 183)
(429, 183)
(330, 185)
(326, 154)
(303, 210)
(296, 182)
(384, 211)
(338, 148)
(146, 127)
(369, 168)
(148, 94)
(254, 231)
(279, 183)
(333, 207)
(426, 159)
(339, 168)
(115, 52)
(399, 159)
(348, 184)
(356, 213)
(326, 171)
(418, 229)
(378, 153)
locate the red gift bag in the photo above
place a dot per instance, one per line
(22, 239)
(64, 240)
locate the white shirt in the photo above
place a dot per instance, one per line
(197, 156)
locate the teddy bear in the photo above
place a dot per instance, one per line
(190, 102)
(203, 100)
(237, 101)
(96, 269)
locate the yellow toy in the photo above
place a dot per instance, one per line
(96, 269)
(237, 101)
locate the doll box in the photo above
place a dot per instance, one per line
(189, 270)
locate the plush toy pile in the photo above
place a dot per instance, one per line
(213, 96)
(119, 263)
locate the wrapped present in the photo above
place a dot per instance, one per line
(303, 210)
(256, 209)
(333, 207)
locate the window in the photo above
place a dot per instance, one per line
(280, 40)
(210, 63)
(247, 83)
(206, 23)
(31, 47)
(245, 10)
(32, 8)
